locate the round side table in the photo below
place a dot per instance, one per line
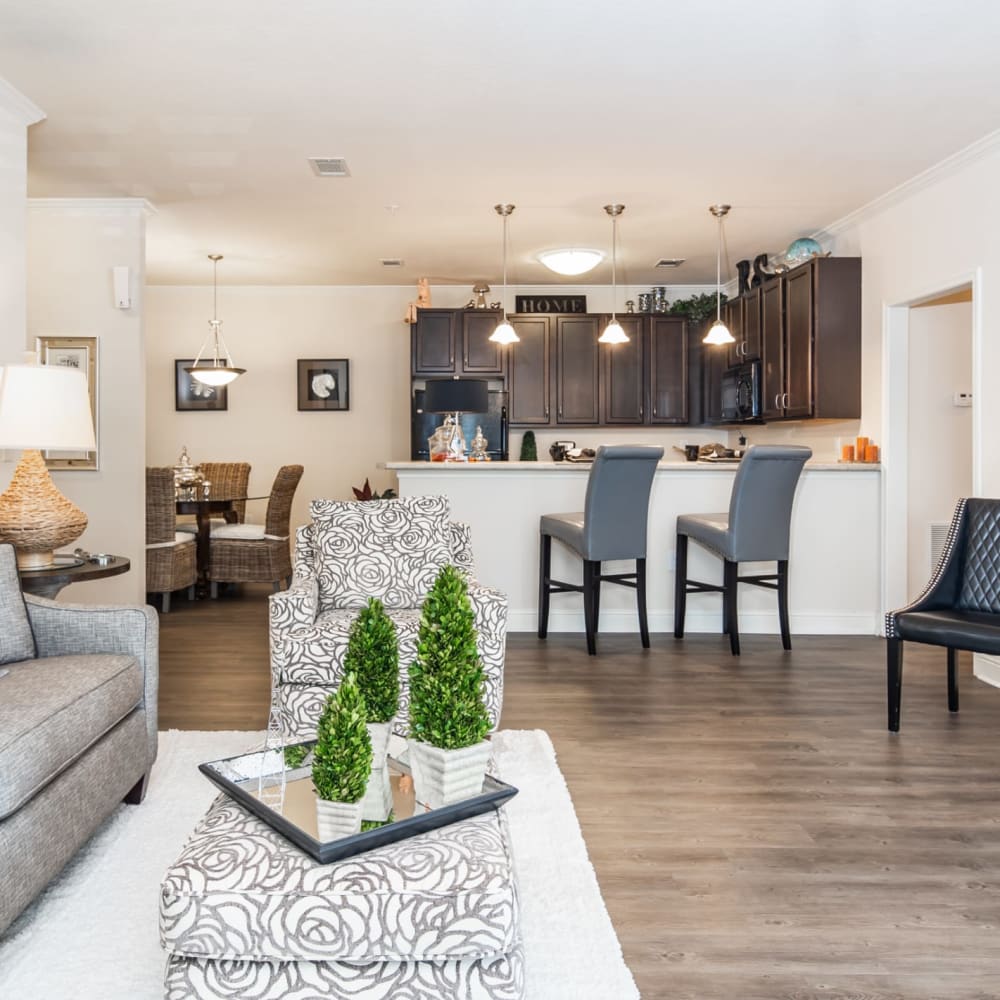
(48, 582)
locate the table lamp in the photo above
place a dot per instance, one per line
(41, 407)
(456, 396)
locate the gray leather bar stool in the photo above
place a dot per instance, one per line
(756, 529)
(612, 526)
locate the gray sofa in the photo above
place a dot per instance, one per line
(77, 727)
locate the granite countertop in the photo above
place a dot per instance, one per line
(563, 467)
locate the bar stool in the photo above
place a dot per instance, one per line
(756, 529)
(612, 526)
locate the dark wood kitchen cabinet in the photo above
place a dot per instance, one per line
(456, 342)
(668, 370)
(732, 315)
(577, 370)
(797, 397)
(623, 396)
(772, 351)
(528, 373)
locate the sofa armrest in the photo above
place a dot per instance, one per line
(66, 629)
(490, 609)
(295, 607)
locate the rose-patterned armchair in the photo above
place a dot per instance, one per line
(390, 549)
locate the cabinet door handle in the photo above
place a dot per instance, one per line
(546, 413)
(784, 400)
(777, 400)
(654, 411)
(560, 411)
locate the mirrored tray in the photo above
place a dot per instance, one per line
(284, 798)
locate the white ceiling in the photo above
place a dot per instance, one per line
(795, 113)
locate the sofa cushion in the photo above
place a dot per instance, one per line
(52, 710)
(16, 639)
(389, 549)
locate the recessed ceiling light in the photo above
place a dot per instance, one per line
(670, 262)
(329, 166)
(571, 262)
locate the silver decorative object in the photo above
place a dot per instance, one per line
(645, 302)
(629, 306)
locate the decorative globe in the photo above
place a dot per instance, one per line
(801, 250)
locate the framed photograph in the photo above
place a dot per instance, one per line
(324, 384)
(79, 353)
(190, 394)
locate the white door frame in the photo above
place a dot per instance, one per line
(895, 409)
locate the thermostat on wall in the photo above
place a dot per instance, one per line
(962, 399)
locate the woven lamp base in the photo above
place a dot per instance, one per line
(34, 516)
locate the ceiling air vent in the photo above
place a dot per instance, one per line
(670, 262)
(330, 166)
(392, 261)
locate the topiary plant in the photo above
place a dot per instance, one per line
(373, 657)
(529, 450)
(342, 757)
(446, 678)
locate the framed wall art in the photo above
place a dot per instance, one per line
(79, 353)
(190, 394)
(324, 384)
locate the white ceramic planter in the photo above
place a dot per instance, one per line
(441, 777)
(379, 734)
(377, 801)
(337, 819)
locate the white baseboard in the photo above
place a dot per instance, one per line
(751, 622)
(986, 668)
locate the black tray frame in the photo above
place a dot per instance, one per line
(498, 792)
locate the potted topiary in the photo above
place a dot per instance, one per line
(448, 717)
(373, 657)
(342, 761)
(529, 449)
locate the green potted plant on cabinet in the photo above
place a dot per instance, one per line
(342, 761)
(448, 717)
(529, 449)
(373, 657)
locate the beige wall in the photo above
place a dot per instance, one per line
(72, 247)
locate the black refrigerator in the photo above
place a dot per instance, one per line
(493, 423)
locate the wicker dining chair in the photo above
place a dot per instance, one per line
(171, 562)
(257, 553)
(226, 479)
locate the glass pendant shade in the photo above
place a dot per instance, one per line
(719, 333)
(613, 334)
(217, 368)
(504, 333)
(571, 262)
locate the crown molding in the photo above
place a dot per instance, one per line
(93, 206)
(18, 106)
(950, 165)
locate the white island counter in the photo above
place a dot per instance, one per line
(834, 565)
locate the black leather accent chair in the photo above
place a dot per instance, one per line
(756, 529)
(613, 526)
(959, 608)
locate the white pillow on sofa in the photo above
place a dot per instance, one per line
(389, 549)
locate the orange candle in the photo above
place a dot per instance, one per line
(871, 453)
(847, 453)
(860, 445)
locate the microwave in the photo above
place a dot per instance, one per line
(741, 393)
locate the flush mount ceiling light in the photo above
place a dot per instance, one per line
(613, 332)
(504, 333)
(719, 333)
(219, 369)
(571, 262)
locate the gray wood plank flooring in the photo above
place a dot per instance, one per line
(756, 832)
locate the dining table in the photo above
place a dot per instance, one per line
(203, 509)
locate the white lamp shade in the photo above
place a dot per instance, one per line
(719, 334)
(571, 262)
(613, 334)
(504, 334)
(45, 406)
(210, 375)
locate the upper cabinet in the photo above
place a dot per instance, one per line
(623, 396)
(455, 342)
(576, 370)
(668, 370)
(528, 378)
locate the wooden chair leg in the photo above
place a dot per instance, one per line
(680, 586)
(597, 597)
(165, 602)
(544, 575)
(729, 600)
(952, 680)
(786, 635)
(214, 590)
(588, 605)
(894, 680)
(190, 592)
(640, 598)
(137, 792)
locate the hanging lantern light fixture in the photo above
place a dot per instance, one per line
(218, 368)
(613, 332)
(719, 333)
(505, 332)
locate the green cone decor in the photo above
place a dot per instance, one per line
(529, 450)
(342, 757)
(373, 657)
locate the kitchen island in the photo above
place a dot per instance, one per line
(834, 564)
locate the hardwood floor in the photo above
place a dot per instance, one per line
(757, 833)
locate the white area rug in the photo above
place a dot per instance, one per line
(94, 936)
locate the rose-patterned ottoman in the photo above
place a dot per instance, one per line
(245, 914)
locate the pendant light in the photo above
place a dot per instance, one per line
(219, 369)
(504, 333)
(719, 332)
(613, 332)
